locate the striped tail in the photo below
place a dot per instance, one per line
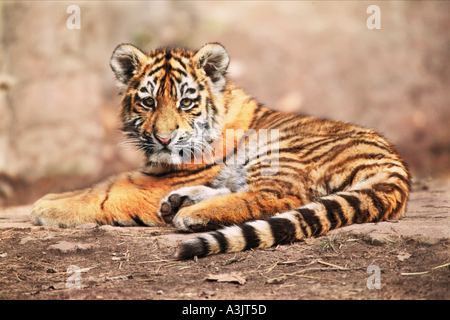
(366, 202)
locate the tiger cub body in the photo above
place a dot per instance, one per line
(216, 158)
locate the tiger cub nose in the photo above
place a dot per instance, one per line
(164, 141)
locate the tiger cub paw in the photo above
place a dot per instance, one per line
(60, 210)
(185, 197)
(170, 206)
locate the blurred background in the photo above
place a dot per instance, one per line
(59, 103)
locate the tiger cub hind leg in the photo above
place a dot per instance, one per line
(381, 197)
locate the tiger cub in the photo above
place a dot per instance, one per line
(215, 159)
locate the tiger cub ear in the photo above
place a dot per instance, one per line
(126, 61)
(214, 60)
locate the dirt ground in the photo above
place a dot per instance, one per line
(137, 263)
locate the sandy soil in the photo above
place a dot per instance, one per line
(412, 256)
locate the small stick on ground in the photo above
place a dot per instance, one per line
(329, 264)
(414, 273)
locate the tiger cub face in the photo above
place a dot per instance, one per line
(171, 99)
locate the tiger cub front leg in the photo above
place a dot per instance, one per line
(193, 211)
(124, 200)
(185, 197)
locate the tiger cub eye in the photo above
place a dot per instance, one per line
(149, 102)
(186, 102)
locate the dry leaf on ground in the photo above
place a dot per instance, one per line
(402, 256)
(234, 277)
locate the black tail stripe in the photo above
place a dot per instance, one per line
(283, 230)
(221, 240)
(250, 235)
(310, 218)
(302, 224)
(205, 248)
(334, 213)
(355, 204)
(189, 249)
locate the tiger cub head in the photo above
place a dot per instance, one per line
(171, 99)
